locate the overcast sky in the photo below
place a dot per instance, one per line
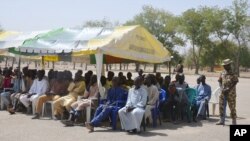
(28, 15)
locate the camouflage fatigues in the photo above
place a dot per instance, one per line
(228, 79)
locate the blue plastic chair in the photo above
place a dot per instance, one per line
(119, 104)
(156, 111)
(102, 101)
(191, 94)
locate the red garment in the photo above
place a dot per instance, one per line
(7, 82)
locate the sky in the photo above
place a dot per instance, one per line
(30, 15)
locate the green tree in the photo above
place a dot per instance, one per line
(215, 22)
(237, 24)
(194, 27)
(162, 24)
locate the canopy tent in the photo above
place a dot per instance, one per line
(128, 42)
(125, 42)
(16, 39)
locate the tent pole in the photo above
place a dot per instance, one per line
(6, 61)
(43, 65)
(53, 65)
(13, 61)
(99, 70)
(19, 62)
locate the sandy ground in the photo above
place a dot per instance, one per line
(20, 127)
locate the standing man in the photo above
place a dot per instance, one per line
(179, 67)
(228, 81)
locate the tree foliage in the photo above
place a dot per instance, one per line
(162, 24)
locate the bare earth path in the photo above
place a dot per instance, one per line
(20, 127)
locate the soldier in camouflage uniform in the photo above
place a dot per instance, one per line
(228, 81)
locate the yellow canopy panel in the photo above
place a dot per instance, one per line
(129, 42)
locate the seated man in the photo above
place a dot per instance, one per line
(110, 78)
(90, 95)
(103, 111)
(181, 86)
(130, 81)
(75, 89)
(172, 102)
(105, 88)
(163, 106)
(27, 81)
(58, 89)
(203, 96)
(39, 87)
(131, 115)
(153, 96)
(17, 79)
(7, 79)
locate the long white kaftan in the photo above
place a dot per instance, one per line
(137, 98)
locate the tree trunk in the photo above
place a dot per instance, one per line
(195, 58)
(110, 66)
(86, 66)
(169, 68)
(53, 65)
(237, 63)
(6, 61)
(74, 65)
(107, 67)
(155, 68)
(212, 68)
(137, 67)
(197, 66)
(145, 65)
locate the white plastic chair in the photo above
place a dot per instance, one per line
(89, 108)
(44, 108)
(215, 98)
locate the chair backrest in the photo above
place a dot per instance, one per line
(191, 94)
(162, 95)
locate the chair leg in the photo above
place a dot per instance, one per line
(154, 116)
(2, 104)
(88, 113)
(159, 114)
(43, 109)
(207, 108)
(213, 108)
(114, 120)
(33, 108)
(144, 123)
(52, 110)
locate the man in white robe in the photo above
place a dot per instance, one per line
(39, 87)
(131, 115)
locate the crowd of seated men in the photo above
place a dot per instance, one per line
(27, 91)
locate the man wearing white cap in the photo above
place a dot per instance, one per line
(228, 81)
